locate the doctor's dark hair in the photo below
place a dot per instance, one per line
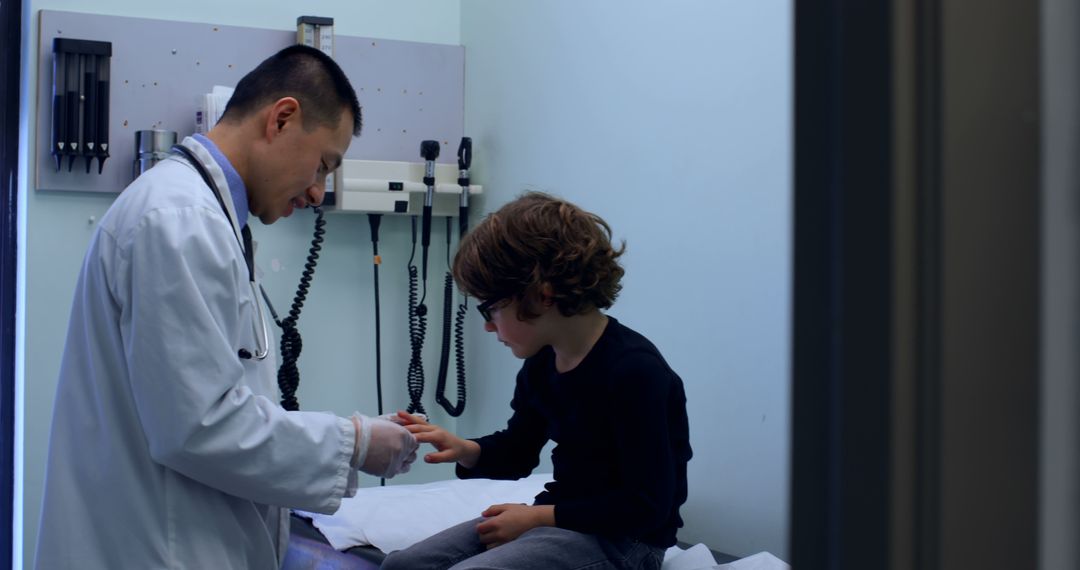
(304, 73)
(539, 239)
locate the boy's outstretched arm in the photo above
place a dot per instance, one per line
(450, 447)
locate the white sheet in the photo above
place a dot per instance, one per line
(397, 516)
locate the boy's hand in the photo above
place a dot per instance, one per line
(450, 447)
(508, 521)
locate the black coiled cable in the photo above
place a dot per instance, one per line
(417, 331)
(454, 410)
(288, 374)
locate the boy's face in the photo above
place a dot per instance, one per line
(522, 337)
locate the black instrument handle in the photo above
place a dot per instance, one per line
(73, 107)
(464, 153)
(59, 126)
(103, 122)
(90, 124)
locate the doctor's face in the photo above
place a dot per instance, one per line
(297, 167)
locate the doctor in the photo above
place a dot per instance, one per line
(168, 447)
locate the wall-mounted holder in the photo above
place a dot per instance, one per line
(151, 147)
(389, 187)
(80, 102)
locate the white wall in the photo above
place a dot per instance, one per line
(673, 121)
(336, 366)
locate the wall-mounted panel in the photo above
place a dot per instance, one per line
(409, 91)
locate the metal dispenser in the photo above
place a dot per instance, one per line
(151, 146)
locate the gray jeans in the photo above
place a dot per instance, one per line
(542, 548)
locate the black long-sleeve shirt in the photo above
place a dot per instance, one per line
(619, 422)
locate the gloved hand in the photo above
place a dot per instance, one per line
(394, 417)
(385, 448)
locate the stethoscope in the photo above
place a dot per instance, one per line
(243, 239)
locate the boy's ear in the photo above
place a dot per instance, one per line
(547, 294)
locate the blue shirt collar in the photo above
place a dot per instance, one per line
(236, 185)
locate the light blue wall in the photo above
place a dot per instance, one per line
(673, 121)
(337, 364)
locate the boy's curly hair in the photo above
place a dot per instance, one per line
(539, 239)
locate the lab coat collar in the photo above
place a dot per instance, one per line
(237, 189)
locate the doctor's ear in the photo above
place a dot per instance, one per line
(281, 112)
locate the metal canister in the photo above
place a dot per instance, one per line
(151, 146)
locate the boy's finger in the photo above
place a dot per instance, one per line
(412, 418)
(440, 456)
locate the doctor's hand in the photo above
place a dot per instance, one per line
(450, 447)
(508, 521)
(390, 448)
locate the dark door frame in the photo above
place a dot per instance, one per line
(10, 86)
(916, 364)
(842, 287)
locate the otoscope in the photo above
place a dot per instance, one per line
(464, 159)
(430, 151)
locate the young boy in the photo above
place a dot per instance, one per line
(544, 268)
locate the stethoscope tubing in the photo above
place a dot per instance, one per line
(262, 349)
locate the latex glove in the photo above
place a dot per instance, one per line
(394, 417)
(384, 447)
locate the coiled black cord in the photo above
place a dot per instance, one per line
(291, 344)
(417, 331)
(454, 410)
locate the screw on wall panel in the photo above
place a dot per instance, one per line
(91, 220)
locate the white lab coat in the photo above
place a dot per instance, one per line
(167, 450)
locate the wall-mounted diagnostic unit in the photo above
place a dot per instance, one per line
(391, 187)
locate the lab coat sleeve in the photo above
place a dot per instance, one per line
(188, 312)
